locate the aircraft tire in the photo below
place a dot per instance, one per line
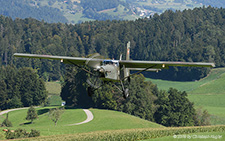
(126, 93)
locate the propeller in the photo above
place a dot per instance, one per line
(93, 79)
(93, 61)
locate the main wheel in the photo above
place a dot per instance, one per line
(126, 93)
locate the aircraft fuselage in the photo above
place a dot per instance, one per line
(111, 70)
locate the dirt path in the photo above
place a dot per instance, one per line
(6, 111)
(90, 117)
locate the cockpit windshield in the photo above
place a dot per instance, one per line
(110, 62)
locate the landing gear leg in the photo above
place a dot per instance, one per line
(126, 93)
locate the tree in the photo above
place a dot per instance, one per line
(141, 100)
(174, 109)
(19, 88)
(55, 114)
(31, 87)
(31, 114)
(74, 88)
(201, 118)
(6, 122)
(3, 94)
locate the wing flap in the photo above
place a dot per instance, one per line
(162, 64)
(141, 69)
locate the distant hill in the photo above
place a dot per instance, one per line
(25, 9)
(77, 11)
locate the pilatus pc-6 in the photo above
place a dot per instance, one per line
(109, 70)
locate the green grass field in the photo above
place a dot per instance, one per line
(208, 93)
(53, 90)
(212, 84)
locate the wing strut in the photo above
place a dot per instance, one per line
(81, 68)
(139, 71)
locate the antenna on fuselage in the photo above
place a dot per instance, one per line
(128, 51)
(121, 55)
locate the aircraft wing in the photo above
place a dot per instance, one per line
(132, 64)
(63, 59)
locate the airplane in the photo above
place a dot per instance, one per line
(109, 70)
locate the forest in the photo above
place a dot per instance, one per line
(191, 35)
(20, 88)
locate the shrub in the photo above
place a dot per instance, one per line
(34, 133)
(21, 133)
(6, 122)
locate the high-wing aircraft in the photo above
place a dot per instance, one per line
(109, 70)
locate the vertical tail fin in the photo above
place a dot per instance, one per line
(126, 70)
(128, 51)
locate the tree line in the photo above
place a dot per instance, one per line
(192, 35)
(20, 88)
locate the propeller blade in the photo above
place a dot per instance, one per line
(94, 64)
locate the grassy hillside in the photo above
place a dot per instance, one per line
(54, 89)
(103, 120)
(210, 84)
(208, 93)
(106, 125)
(74, 12)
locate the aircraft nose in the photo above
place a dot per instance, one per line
(101, 70)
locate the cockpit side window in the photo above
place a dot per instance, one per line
(107, 62)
